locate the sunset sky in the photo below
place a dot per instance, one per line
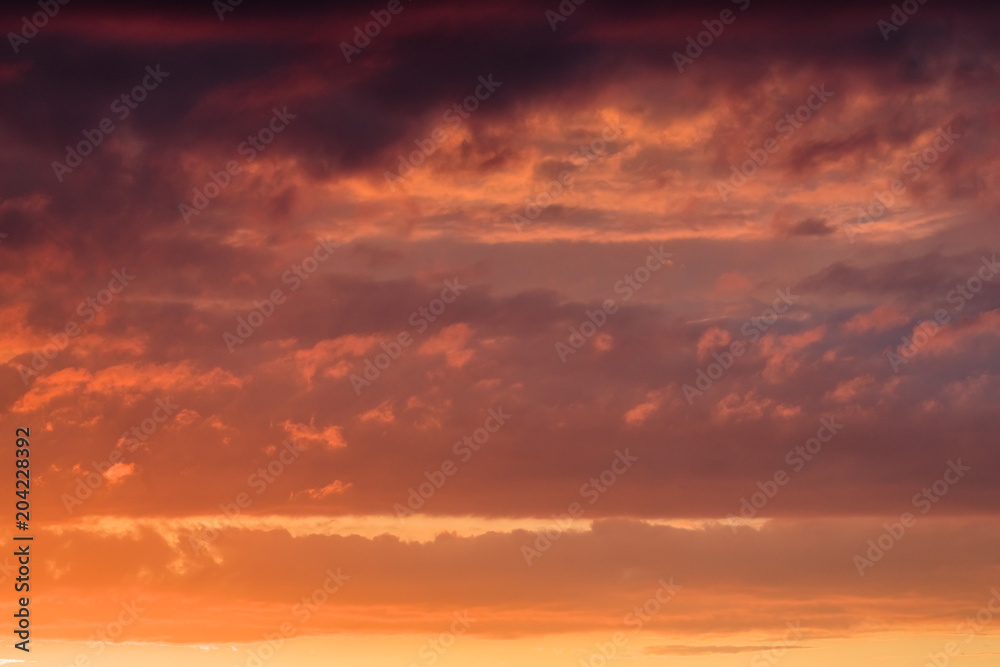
(503, 333)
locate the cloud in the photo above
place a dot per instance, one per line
(308, 435)
(334, 487)
(391, 579)
(712, 650)
(494, 348)
(810, 227)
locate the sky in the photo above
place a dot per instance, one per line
(435, 333)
